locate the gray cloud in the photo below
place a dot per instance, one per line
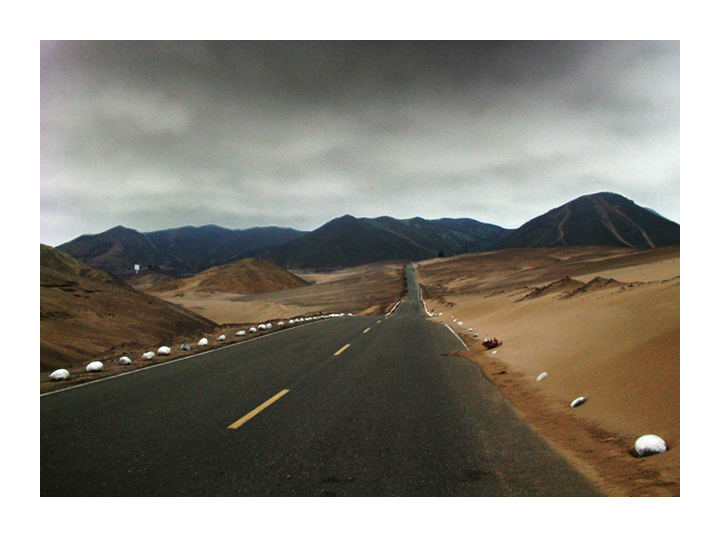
(164, 134)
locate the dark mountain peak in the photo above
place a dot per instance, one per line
(599, 219)
(341, 222)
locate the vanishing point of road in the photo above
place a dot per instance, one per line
(349, 406)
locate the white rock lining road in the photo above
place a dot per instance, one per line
(97, 366)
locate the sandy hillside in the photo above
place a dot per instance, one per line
(84, 311)
(604, 323)
(366, 289)
(242, 277)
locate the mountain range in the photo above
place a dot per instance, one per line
(602, 219)
(177, 252)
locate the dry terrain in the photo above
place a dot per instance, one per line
(84, 311)
(367, 289)
(603, 323)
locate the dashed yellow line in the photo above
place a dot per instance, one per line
(341, 350)
(250, 415)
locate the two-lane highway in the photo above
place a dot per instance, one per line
(347, 406)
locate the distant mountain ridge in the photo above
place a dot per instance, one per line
(601, 219)
(349, 241)
(178, 251)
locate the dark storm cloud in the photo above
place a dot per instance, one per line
(163, 134)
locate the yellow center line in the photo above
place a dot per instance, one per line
(250, 415)
(342, 349)
(366, 330)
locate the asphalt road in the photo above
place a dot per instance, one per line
(352, 406)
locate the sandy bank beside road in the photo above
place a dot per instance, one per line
(615, 342)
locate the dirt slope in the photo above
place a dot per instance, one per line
(84, 311)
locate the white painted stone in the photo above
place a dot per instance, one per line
(253, 329)
(124, 360)
(262, 326)
(280, 323)
(60, 374)
(94, 367)
(148, 355)
(203, 341)
(240, 333)
(650, 444)
(163, 351)
(577, 402)
(222, 337)
(541, 376)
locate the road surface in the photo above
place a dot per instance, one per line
(351, 406)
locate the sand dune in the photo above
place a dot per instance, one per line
(603, 323)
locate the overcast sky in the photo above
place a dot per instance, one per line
(153, 135)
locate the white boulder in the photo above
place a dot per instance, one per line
(60, 374)
(221, 337)
(94, 367)
(268, 326)
(203, 341)
(291, 321)
(240, 333)
(148, 355)
(124, 360)
(650, 444)
(262, 326)
(577, 402)
(281, 323)
(541, 376)
(163, 351)
(253, 330)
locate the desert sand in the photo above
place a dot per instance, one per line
(602, 323)
(366, 289)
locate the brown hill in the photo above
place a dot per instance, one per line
(243, 277)
(84, 311)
